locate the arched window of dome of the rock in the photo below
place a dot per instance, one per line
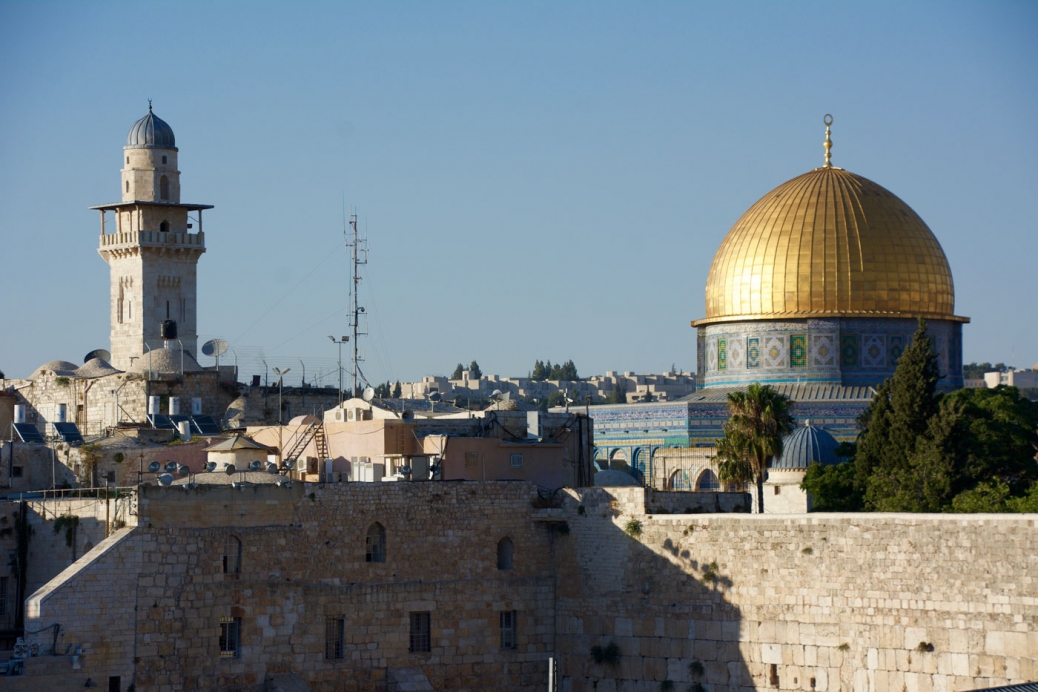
(232, 555)
(707, 481)
(505, 552)
(679, 481)
(375, 543)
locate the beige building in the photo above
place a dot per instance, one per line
(1022, 379)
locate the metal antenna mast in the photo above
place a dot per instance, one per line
(359, 246)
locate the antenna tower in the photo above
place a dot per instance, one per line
(359, 249)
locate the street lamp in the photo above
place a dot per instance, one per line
(340, 342)
(281, 376)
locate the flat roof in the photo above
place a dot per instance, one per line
(145, 203)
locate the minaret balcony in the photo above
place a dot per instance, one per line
(158, 239)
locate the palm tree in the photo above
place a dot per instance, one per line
(753, 436)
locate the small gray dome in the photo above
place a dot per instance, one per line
(151, 132)
(804, 446)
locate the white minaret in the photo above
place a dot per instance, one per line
(153, 252)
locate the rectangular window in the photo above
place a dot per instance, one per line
(3, 596)
(230, 634)
(508, 622)
(517, 461)
(115, 684)
(16, 471)
(420, 633)
(334, 636)
(471, 460)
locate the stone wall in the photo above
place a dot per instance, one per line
(823, 602)
(733, 601)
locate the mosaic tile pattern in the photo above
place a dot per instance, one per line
(735, 354)
(941, 342)
(849, 350)
(798, 351)
(896, 343)
(873, 350)
(753, 352)
(823, 350)
(722, 354)
(774, 352)
(711, 355)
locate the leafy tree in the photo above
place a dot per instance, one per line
(398, 390)
(890, 456)
(975, 371)
(833, 488)
(753, 434)
(969, 451)
(456, 375)
(474, 371)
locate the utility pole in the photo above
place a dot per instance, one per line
(359, 247)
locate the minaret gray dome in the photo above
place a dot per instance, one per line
(804, 446)
(151, 132)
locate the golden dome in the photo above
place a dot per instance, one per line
(829, 243)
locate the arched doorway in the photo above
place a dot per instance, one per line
(618, 460)
(679, 481)
(707, 482)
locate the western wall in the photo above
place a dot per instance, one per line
(728, 600)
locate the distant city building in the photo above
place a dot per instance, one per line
(1022, 379)
(666, 387)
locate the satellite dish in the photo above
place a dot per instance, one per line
(405, 470)
(495, 394)
(407, 415)
(183, 470)
(369, 394)
(255, 465)
(165, 479)
(435, 396)
(272, 467)
(101, 353)
(210, 466)
(214, 348)
(170, 466)
(228, 469)
(154, 466)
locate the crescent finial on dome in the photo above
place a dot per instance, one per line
(828, 120)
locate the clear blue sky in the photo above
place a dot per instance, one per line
(536, 180)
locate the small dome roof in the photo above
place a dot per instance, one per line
(96, 367)
(62, 368)
(166, 361)
(151, 132)
(804, 446)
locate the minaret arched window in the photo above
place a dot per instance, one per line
(375, 543)
(164, 227)
(164, 187)
(127, 185)
(505, 551)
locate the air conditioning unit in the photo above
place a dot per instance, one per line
(301, 464)
(313, 465)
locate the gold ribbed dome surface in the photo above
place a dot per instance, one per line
(829, 243)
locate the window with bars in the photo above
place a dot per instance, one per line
(375, 543)
(508, 623)
(230, 637)
(334, 638)
(232, 555)
(517, 461)
(421, 638)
